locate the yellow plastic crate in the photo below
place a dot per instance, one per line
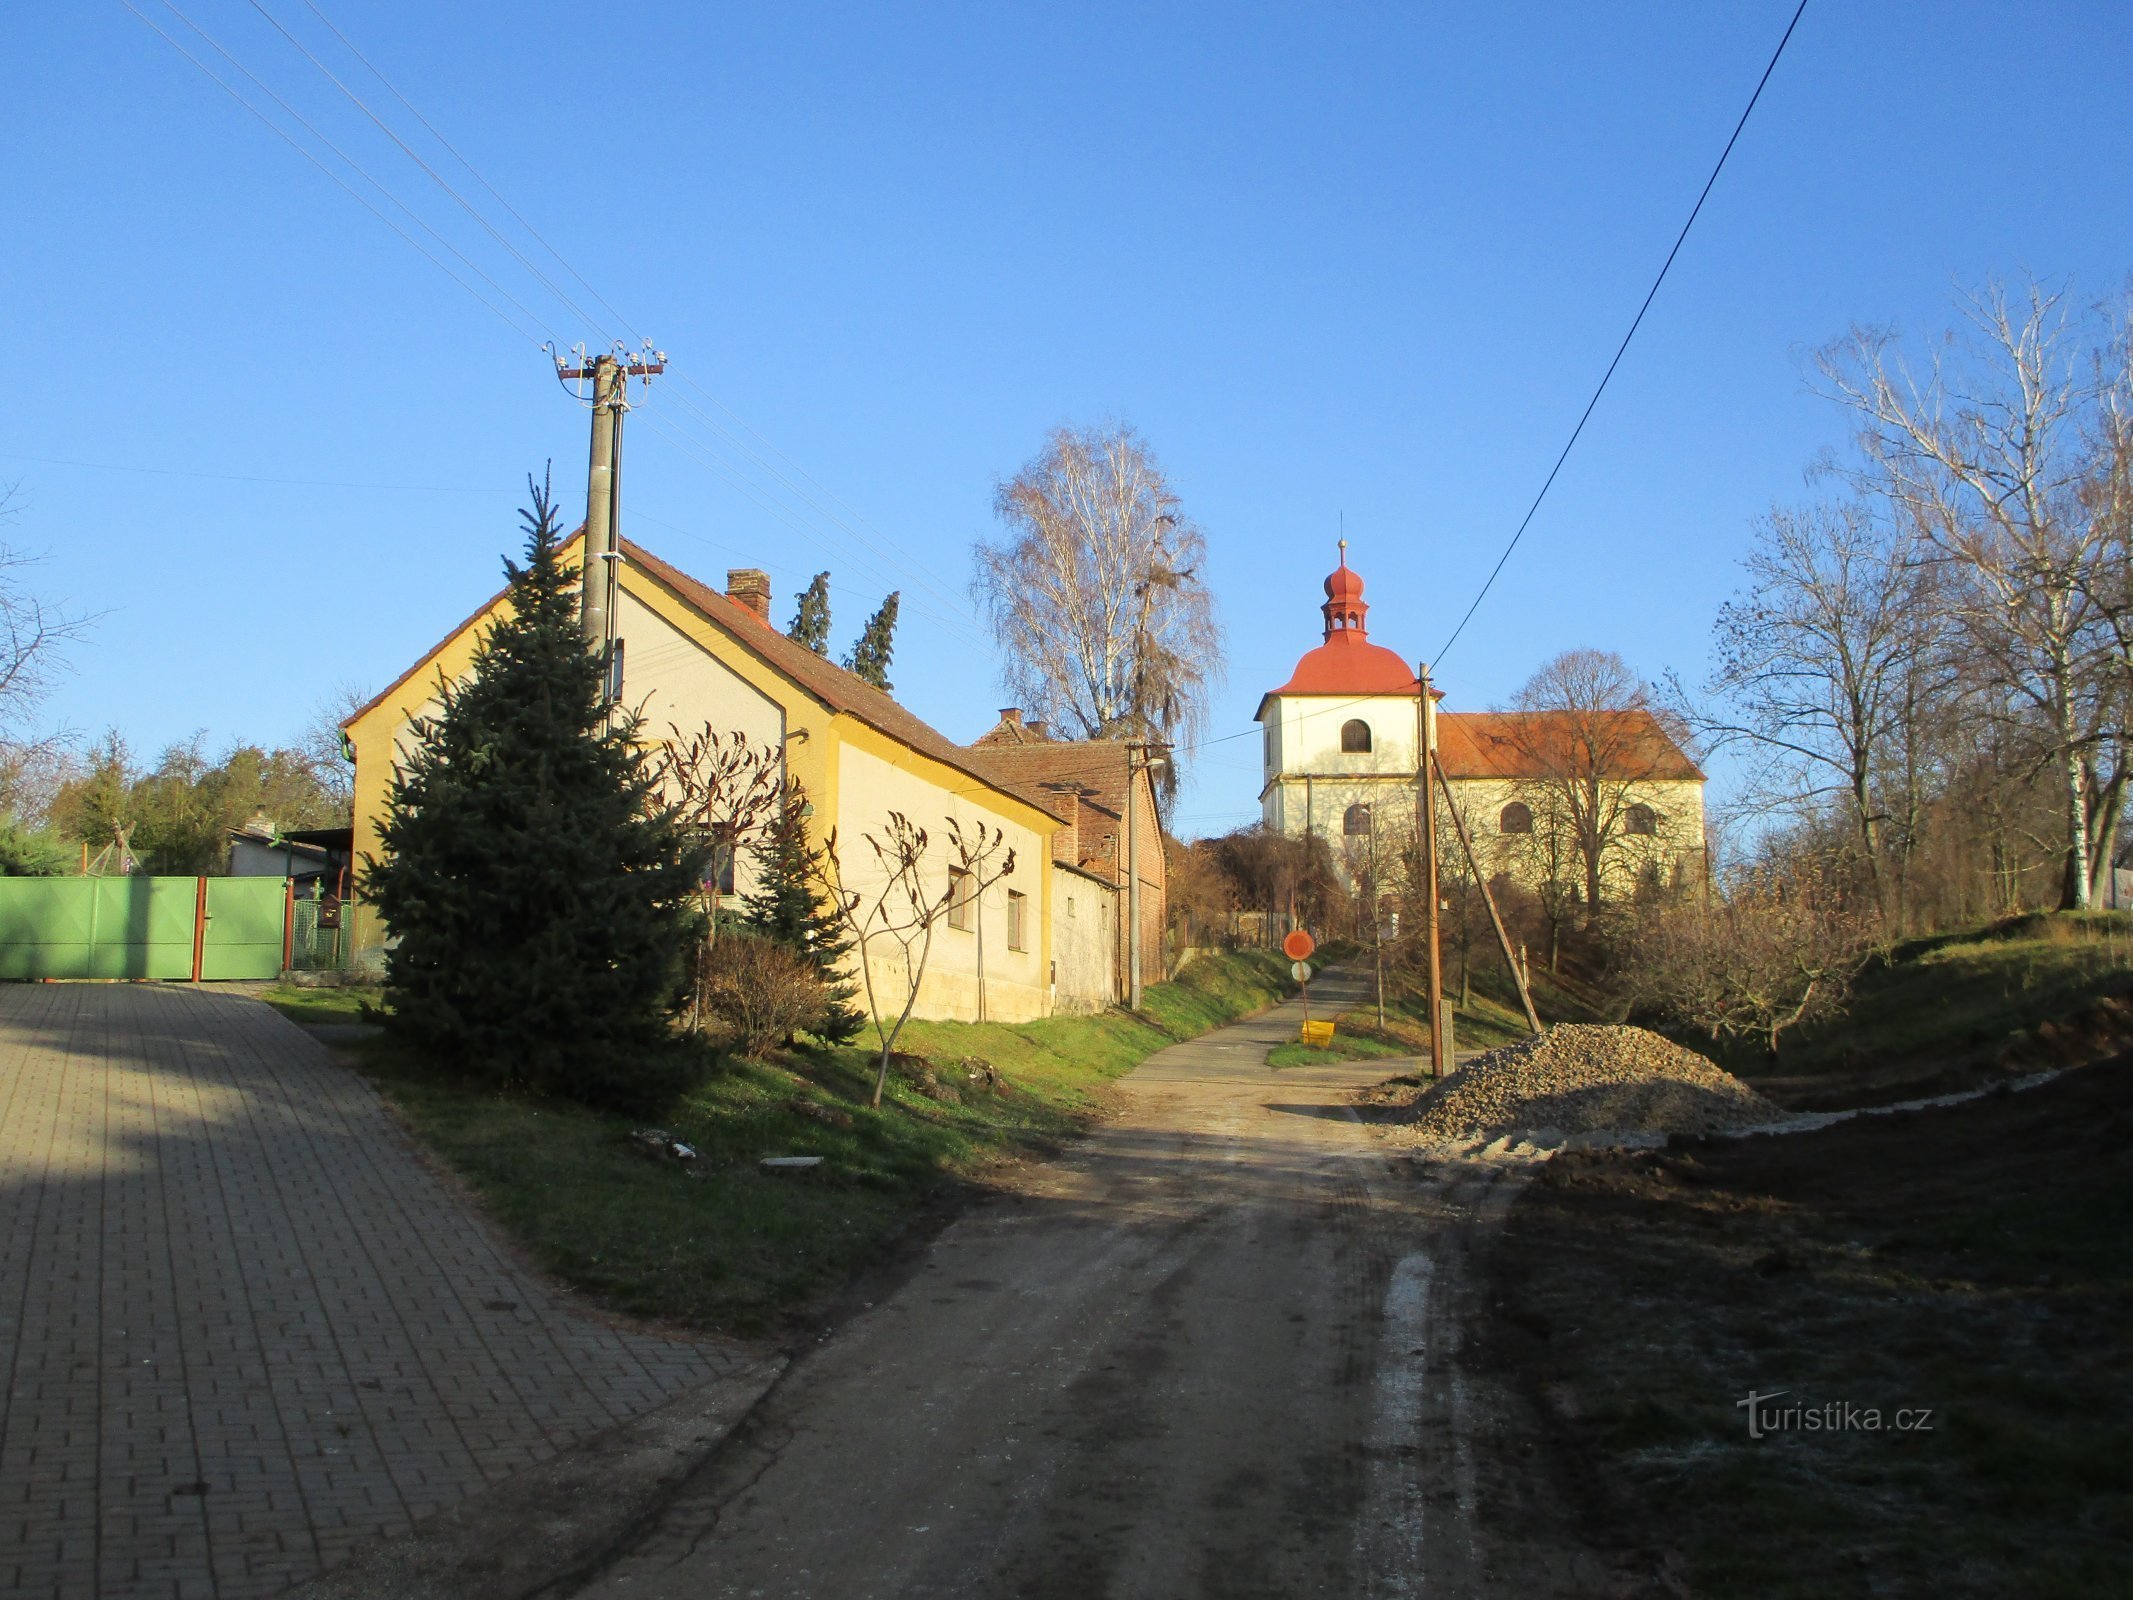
(1318, 1034)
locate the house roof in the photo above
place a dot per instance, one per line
(1346, 662)
(1526, 744)
(826, 682)
(1093, 771)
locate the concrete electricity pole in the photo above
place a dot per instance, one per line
(609, 375)
(1426, 814)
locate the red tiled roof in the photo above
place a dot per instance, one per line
(830, 684)
(1348, 663)
(1093, 771)
(1526, 744)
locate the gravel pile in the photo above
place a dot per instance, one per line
(1582, 1078)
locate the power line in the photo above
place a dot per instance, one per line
(311, 128)
(1638, 322)
(923, 578)
(494, 193)
(435, 177)
(283, 134)
(962, 617)
(234, 477)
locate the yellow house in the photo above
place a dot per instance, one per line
(692, 656)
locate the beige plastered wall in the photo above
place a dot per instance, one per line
(685, 671)
(969, 972)
(1084, 920)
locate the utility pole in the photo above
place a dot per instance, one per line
(1473, 861)
(1133, 867)
(1377, 917)
(609, 375)
(1426, 814)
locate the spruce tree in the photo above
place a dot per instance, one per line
(870, 656)
(789, 906)
(811, 623)
(536, 886)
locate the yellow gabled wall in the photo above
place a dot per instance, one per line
(819, 747)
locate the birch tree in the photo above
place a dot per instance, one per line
(1097, 592)
(1992, 450)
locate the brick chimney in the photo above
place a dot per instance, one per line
(749, 587)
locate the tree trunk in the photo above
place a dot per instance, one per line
(2074, 895)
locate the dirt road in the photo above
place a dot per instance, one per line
(1213, 1352)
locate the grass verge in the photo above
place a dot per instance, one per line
(719, 1243)
(1967, 1262)
(1955, 1010)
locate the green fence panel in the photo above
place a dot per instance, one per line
(138, 927)
(243, 928)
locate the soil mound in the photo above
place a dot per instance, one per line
(1585, 1078)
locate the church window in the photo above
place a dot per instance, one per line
(1642, 821)
(1355, 736)
(1517, 817)
(1356, 820)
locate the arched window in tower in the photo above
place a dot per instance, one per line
(1642, 821)
(1517, 817)
(1355, 737)
(1355, 821)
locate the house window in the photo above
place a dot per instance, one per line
(1355, 737)
(720, 871)
(1070, 908)
(1641, 820)
(1355, 820)
(1517, 817)
(1017, 904)
(962, 900)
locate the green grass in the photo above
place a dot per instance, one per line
(721, 1244)
(1345, 1047)
(352, 1003)
(1958, 1008)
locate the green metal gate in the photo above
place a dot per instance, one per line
(140, 927)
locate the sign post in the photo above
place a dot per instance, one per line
(1298, 947)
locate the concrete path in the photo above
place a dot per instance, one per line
(1214, 1352)
(244, 1332)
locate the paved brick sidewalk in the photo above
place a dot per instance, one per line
(243, 1332)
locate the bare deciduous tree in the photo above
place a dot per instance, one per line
(1097, 592)
(1591, 736)
(724, 787)
(1828, 663)
(34, 632)
(903, 907)
(1993, 452)
(1777, 949)
(325, 748)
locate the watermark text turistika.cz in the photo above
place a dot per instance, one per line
(1766, 1416)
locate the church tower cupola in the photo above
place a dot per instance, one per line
(1345, 606)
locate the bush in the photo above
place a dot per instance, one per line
(763, 991)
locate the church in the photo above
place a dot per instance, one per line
(1341, 742)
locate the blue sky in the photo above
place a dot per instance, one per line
(1359, 261)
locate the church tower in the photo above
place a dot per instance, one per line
(1340, 737)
